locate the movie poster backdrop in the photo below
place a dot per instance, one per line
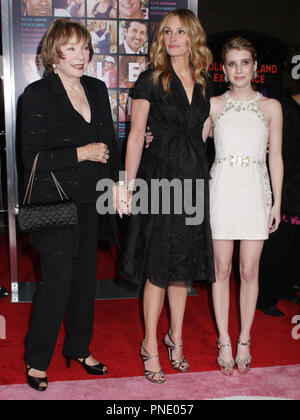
(121, 31)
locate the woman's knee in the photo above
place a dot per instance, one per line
(223, 271)
(248, 274)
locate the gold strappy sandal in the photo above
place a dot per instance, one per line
(225, 367)
(150, 375)
(243, 365)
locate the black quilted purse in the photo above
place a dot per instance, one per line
(45, 216)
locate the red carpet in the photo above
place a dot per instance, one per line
(118, 333)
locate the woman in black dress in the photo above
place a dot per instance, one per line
(163, 250)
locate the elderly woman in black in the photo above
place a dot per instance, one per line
(66, 118)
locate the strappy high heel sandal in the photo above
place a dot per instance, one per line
(243, 365)
(180, 366)
(225, 367)
(36, 383)
(154, 377)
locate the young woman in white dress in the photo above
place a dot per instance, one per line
(242, 122)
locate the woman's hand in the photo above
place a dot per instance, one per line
(148, 138)
(275, 218)
(95, 152)
(122, 196)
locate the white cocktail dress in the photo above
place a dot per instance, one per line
(240, 193)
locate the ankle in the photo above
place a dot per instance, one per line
(224, 339)
(175, 336)
(35, 372)
(150, 345)
(244, 338)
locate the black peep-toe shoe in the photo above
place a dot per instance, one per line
(98, 369)
(36, 383)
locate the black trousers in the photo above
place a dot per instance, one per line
(67, 289)
(279, 265)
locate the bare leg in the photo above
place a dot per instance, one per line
(177, 296)
(223, 252)
(250, 252)
(153, 303)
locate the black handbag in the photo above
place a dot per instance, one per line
(45, 216)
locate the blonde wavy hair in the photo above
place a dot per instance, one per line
(200, 55)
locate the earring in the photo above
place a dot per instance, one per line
(255, 74)
(226, 78)
(54, 68)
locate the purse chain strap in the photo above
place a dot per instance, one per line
(28, 192)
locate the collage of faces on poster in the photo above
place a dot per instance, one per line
(121, 32)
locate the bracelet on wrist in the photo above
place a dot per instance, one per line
(129, 185)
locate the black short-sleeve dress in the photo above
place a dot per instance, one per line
(163, 247)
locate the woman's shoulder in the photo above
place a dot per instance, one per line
(39, 90)
(270, 104)
(37, 86)
(269, 101)
(143, 87)
(218, 101)
(146, 75)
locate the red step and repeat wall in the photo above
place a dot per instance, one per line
(121, 31)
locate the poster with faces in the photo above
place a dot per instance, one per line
(133, 37)
(121, 35)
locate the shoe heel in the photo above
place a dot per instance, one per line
(168, 349)
(176, 364)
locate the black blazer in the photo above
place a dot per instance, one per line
(51, 126)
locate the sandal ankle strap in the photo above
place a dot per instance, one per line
(220, 345)
(146, 356)
(173, 346)
(244, 344)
